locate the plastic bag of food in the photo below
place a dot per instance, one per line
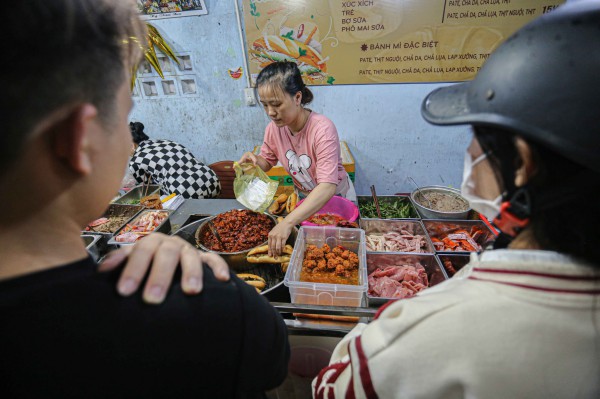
(252, 187)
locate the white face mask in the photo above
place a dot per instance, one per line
(489, 208)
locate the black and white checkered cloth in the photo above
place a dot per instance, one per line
(173, 166)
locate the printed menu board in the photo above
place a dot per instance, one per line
(383, 41)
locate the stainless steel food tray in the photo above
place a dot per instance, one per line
(137, 193)
(435, 271)
(164, 227)
(458, 260)
(383, 199)
(437, 228)
(91, 245)
(415, 227)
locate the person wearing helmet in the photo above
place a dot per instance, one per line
(522, 320)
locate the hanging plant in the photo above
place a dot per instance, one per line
(154, 39)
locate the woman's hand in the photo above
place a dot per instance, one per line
(160, 254)
(278, 236)
(248, 157)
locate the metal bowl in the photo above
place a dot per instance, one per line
(272, 273)
(235, 260)
(428, 213)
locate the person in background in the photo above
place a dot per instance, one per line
(304, 142)
(65, 330)
(170, 165)
(523, 320)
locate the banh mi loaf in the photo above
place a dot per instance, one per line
(284, 266)
(291, 202)
(264, 249)
(254, 280)
(282, 198)
(278, 48)
(274, 207)
(264, 258)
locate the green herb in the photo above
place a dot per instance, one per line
(132, 202)
(398, 209)
(289, 35)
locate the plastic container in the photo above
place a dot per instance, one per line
(322, 293)
(336, 206)
(435, 272)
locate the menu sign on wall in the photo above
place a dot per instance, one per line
(383, 41)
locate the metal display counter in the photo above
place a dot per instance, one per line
(195, 209)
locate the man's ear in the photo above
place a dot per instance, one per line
(528, 166)
(72, 138)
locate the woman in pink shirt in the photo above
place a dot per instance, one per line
(304, 142)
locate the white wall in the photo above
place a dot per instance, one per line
(381, 123)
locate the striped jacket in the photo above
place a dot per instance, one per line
(511, 324)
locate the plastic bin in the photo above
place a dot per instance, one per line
(337, 206)
(322, 293)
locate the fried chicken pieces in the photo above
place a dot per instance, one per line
(338, 260)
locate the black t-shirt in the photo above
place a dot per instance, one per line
(67, 333)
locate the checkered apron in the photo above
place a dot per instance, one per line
(173, 167)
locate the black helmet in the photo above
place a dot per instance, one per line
(543, 83)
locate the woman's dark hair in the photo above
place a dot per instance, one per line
(286, 76)
(567, 226)
(137, 132)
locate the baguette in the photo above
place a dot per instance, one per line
(264, 258)
(284, 266)
(254, 280)
(282, 198)
(264, 249)
(274, 207)
(291, 202)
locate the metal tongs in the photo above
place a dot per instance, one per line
(420, 193)
(374, 194)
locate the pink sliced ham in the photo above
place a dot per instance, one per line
(403, 281)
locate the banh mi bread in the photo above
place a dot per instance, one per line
(284, 266)
(274, 208)
(291, 202)
(254, 280)
(264, 249)
(282, 198)
(278, 48)
(264, 258)
(279, 219)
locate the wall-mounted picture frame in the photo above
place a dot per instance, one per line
(158, 9)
